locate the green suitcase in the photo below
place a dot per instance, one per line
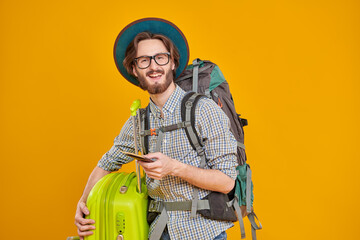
(117, 207)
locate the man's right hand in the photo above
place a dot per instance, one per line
(84, 225)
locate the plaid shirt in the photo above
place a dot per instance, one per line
(213, 126)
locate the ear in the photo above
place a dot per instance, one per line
(172, 65)
(134, 71)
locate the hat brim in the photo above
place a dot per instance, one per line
(155, 26)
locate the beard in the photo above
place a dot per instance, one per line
(155, 88)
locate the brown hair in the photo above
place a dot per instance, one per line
(131, 50)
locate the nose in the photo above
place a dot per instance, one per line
(153, 64)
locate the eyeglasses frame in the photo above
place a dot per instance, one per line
(151, 58)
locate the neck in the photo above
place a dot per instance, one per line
(161, 98)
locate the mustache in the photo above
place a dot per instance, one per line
(155, 71)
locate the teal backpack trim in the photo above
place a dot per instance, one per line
(240, 185)
(217, 78)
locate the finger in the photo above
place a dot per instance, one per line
(156, 155)
(148, 166)
(84, 234)
(154, 175)
(84, 221)
(83, 208)
(143, 164)
(80, 220)
(84, 228)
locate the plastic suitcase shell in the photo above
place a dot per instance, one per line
(118, 209)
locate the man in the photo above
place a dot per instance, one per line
(151, 59)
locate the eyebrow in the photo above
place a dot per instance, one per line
(152, 55)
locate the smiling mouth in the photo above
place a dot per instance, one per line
(155, 74)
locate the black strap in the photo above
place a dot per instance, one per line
(147, 126)
(189, 101)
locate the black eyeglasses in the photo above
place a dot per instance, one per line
(145, 61)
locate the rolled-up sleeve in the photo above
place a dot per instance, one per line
(220, 144)
(114, 158)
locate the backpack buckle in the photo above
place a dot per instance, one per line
(187, 124)
(153, 132)
(220, 103)
(155, 206)
(188, 104)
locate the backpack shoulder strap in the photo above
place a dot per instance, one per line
(144, 125)
(196, 64)
(188, 106)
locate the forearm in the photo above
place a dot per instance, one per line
(94, 177)
(209, 179)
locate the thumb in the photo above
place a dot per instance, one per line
(155, 155)
(84, 209)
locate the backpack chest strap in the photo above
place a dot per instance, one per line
(160, 132)
(163, 207)
(157, 206)
(169, 128)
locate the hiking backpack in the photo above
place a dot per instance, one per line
(204, 79)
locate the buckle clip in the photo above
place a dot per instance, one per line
(188, 104)
(155, 206)
(153, 132)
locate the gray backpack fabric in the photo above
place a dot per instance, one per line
(214, 86)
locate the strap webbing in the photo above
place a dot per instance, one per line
(239, 215)
(196, 64)
(144, 125)
(190, 75)
(169, 128)
(137, 165)
(159, 141)
(160, 225)
(164, 207)
(207, 93)
(175, 126)
(138, 112)
(193, 136)
(254, 226)
(241, 145)
(198, 147)
(157, 206)
(248, 189)
(154, 182)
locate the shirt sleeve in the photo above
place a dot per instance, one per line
(213, 125)
(114, 158)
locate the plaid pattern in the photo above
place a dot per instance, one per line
(220, 148)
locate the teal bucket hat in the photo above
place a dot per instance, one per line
(155, 26)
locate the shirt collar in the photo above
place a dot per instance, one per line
(170, 105)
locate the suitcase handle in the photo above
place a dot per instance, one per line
(135, 106)
(135, 110)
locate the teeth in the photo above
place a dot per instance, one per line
(156, 75)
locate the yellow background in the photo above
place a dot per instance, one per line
(293, 69)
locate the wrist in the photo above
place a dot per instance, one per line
(178, 168)
(82, 200)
